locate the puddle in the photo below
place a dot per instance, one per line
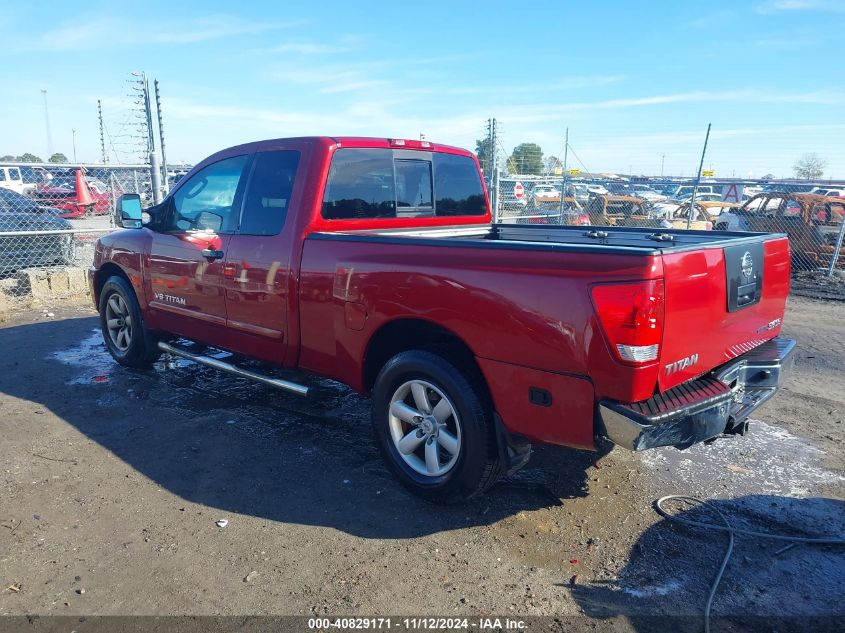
(90, 353)
(768, 460)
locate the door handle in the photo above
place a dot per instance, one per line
(212, 254)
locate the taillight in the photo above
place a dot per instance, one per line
(631, 315)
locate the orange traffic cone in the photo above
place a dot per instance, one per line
(84, 201)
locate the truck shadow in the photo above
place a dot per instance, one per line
(667, 577)
(240, 447)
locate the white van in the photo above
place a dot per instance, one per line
(685, 191)
(10, 178)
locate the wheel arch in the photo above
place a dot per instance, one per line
(107, 270)
(403, 334)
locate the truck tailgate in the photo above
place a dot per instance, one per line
(720, 303)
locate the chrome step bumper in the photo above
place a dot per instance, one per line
(700, 409)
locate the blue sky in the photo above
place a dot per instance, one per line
(632, 80)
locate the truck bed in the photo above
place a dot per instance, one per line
(619, 240)
(723, 293)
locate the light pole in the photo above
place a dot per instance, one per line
(74, 145)
(47, 125)
(662, 163)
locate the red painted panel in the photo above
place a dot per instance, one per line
(569, 419)
(697, 320)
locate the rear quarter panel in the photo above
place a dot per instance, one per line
(525, 309)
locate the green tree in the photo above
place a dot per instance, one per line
(527, 158)
(482, 150)
(8, 158)
(809, 166)
(30, 158)
(58, 157)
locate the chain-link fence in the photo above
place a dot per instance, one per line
(50, 219)
(528, 187)
(51, 215)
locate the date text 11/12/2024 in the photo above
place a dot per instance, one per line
(415, 623)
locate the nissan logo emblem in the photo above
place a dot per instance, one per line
(747, 264)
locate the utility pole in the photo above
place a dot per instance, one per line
(161, 138)
(47, 125)
(74, 145)
(143, 87)
(494, 172)
(697, 179)
(103, 154)
(563, 185)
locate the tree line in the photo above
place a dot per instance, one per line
(29, 157)
(527, 159)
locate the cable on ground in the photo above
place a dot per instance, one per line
(732, 531)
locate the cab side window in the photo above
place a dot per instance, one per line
(206, 202)
(268, 192)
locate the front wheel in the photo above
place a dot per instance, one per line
(126, 338)
(434, 427)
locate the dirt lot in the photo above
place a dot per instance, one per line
(112, 482)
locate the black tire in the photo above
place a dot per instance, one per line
(478, 464)
(142, 349)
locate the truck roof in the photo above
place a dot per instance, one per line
(337, 141)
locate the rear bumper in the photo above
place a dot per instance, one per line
(701, 409)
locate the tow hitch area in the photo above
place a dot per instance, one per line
(702, 409)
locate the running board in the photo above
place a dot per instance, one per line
(278, 383)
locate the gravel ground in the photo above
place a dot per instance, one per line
(113, 481)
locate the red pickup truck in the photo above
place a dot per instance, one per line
(374, 262)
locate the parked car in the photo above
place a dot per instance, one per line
(834, 192)
(546, 193)
(616, 210)
(647, 193)
(19, 213)
(14, 201)
(551, 213)
(788, 188)
(474, 340)
(75, 196)
(11, 179)
(580, 192)
(684, 192)
(812, 223)
(509, 204)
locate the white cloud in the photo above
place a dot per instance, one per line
(784, 6)
(103, 32)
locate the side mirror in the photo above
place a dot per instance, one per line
(129, 211)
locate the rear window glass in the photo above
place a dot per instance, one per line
(360, 185)
(372, 183)
(413, 185)
(457, 186)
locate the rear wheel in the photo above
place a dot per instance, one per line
(434, 427)
(127, 339)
